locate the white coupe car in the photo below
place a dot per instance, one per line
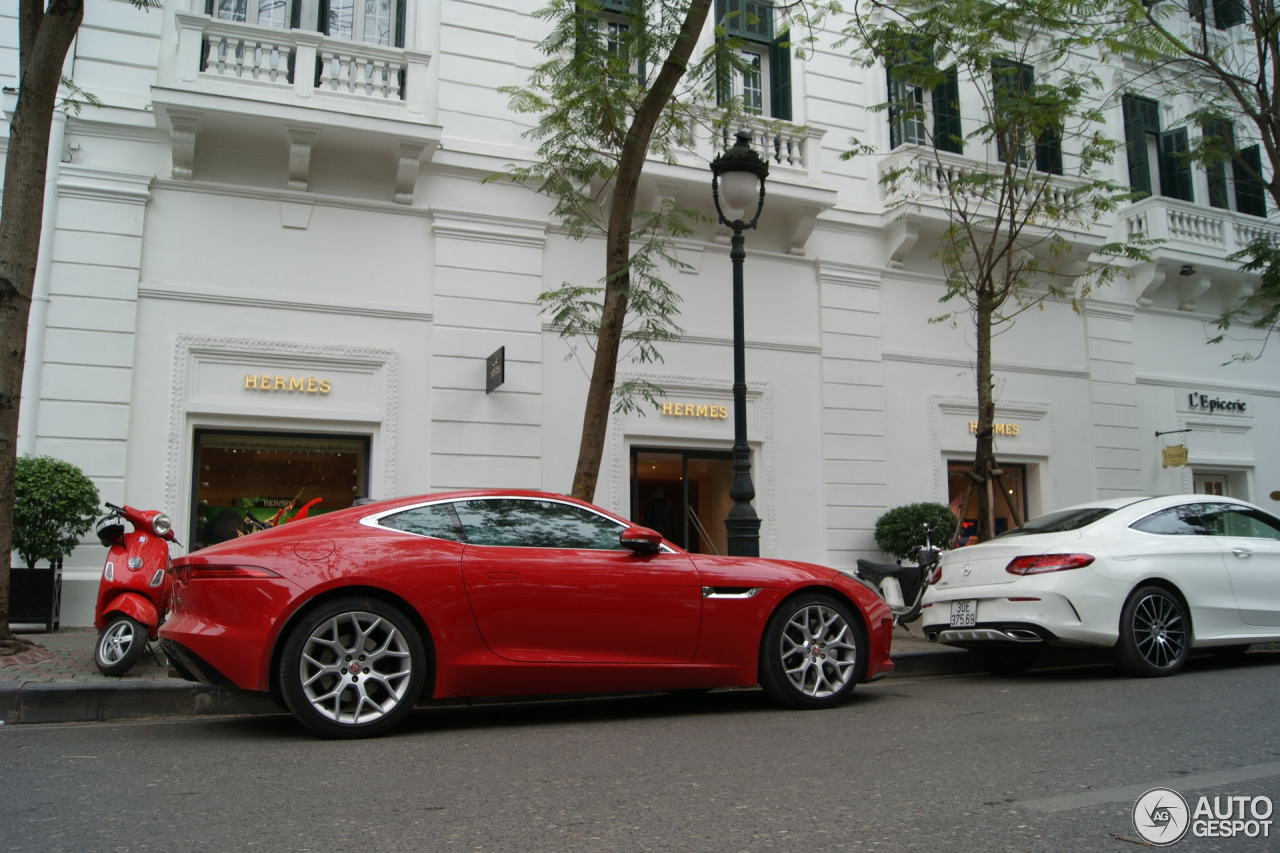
(1152, 578)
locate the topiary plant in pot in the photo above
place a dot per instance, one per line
(54, 504)
(903, 528)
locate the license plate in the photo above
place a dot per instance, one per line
(964, 613)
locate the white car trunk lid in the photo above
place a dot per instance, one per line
(979, 565)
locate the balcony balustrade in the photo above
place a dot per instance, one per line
(297, 67)
(1186, 229)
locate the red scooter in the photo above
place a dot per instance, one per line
(133, 595)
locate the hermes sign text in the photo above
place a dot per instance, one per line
(286, 384)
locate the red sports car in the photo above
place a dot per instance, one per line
(353, 617)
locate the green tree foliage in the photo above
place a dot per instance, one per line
(619, 85)
(1226, 56)
(1022, 182)
(54, 505)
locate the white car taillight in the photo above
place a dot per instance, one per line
(1043, 563)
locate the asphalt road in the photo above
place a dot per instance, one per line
(1049, 761)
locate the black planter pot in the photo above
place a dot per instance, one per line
(35, 596)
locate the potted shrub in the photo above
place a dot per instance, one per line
(903, 528)
(54, 505)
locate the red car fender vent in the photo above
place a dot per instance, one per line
(1044, 563)
(198, 573)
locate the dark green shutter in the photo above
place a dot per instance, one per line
(746, 19)
(1175, 165)
(1228, 13)
(947, 132)
(724, 70)
(1011, 84)
(1250, 194)
(1141, 116)
(1049, 151)
(780, 76)
(400, 12)
(896, 95)
(1219, 137)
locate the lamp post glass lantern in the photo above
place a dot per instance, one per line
(737, 186)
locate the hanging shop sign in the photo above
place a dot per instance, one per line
(1174, 456)
(287, 384)
(695, 410)
(495, 370)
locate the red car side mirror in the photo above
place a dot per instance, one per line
(641, 540)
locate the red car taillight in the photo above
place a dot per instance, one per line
(1043, 563)
(198, 573)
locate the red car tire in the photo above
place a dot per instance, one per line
(352, 668)
(811, 654)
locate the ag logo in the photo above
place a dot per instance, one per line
(1161, 816)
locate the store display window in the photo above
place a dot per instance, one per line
(244, 481)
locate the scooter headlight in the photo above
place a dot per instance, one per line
(160, 525)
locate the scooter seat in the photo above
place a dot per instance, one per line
(879, 569)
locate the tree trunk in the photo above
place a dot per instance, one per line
(45, 35)
(595, 418)
(984, 461)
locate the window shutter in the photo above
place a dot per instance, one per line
(1219, 192)
(1011, 82)
(400, 13)
(1228, 13)
(896, 94)
(947, 133)
(1175, 167)
(1049, 151)
(1250, 194)
(746, 19)
(1141, 116)
(780, 76)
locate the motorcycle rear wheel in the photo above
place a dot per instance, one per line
(120, 645)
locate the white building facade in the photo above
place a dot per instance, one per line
(259, 286)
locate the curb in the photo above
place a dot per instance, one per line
(74, 702)
(64, 702)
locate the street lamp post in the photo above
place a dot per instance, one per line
(737, 183)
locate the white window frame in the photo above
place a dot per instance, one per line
(913, 127)
(251, 12)
(362, 12)
(279, 14)
(610, 26)
(755, 59)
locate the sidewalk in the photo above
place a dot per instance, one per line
(57, 682)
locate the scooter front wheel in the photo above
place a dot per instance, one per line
(120, 645)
